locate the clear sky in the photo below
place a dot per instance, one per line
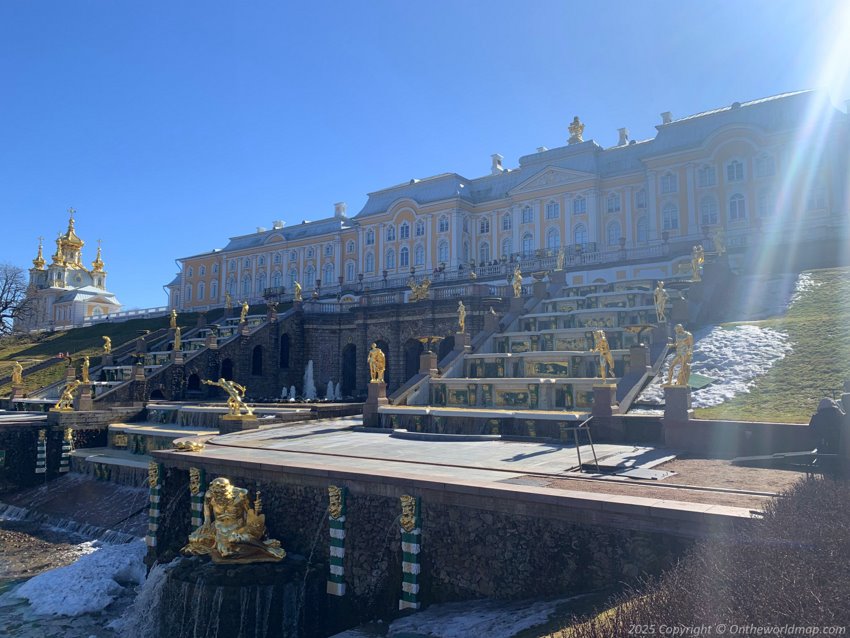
(171, 126)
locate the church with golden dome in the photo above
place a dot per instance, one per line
(64, 293)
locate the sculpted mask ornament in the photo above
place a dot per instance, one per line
(334, 501)
(234, 530)
(194, 481)
(153, 474)
(408, 512)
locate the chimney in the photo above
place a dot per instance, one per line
(496, 167)
(277, 224)
(339, 209)
(666, 117)
(261, 229)
(540, 149)
(624, 136)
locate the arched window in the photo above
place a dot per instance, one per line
(389, 259)
(553, 239)
(670, 216)
(310, 276)
(390, 234)
(277, 279)
(708, 211)
(507, 247)
(507, 221)
(349, 247)
(370, 237)
(188, 293)
(329, 250)
(202, 271)
(404, 257)
(261, 261)
(215, 269)
(484, 252)
(613, 203)
(328, 275)
(420, 228)
(419, 255)
(443, 225)
(404, 231)
(370, 262)
(640, 199)
(527, 244)
(246, 263)
(276, 259)
(246, 286)
(232, 264)
(190, 272)
(443, 252)
(669, 183)
(735, 171)
(213, 290)
(349, 271)
(293, 255)
(737, 208)
(484, 226)
(553, 210)
(706, 176)
(612, 233)
(527, 215)
(579, 205)
(293, 277)
(231, 286)
(580, 235)
(261, 283)
(643, 230)
(202, 290)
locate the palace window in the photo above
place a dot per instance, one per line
(190, 272)
(370, 237)
(404, 231)
(579, 205)
(261, 261)
(329, 250)
(202, 271)
(640, 199)
(643, 230)
(443, 224)
(276, 259)
(553, 210)
(328, 275)
(527, 215)
(507, 221)
(484, 226)
(349, 271)
(419, 255)
(507, 247)
(404, 257)
(349, 246)
(277, 279)
(706, 176)
(213, 290)
(670, 217)
(246, 286)
(201, 291)
(580, 235)
(293, 277)
(370, 262)
(188, 293)
(669, 183)
(247, 263)
(310, 252)
(293, 255)
(484, 252)
(232, 265)
(612, 233)
(390, 234)
(420, 228)
(389, 260)
(734, 171)
(443, 252)
(215, 269)
(261, 283)
(310, 276)
(553, 239)
(527, 244)
(765, 202)
(613, 203)
(737, 208)
(708, 211)
(765, 166)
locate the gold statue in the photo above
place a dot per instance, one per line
(334, 501)
(178, 339)
(233, 530)
(235, 393)
(377, 364)
(461, 317)
(173, 321)
(473, 276)
(576, 131)
(17, 374)
(66, 400)
(684, 354)
(107, 345)
(228, 301)
(189, 446)
(660, 297)
(419, 292)
(517, 282)
(408, 513)
(84, 370)
(244, 314)
(697, 259)
(606, 360)
(562, 258)
(297, 295)
(194, 481)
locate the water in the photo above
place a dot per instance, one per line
(309, 384)
(329, 392)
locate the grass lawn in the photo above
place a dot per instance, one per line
(818, 326)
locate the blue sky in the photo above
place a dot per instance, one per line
(171, 126)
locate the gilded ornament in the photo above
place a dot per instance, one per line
(408, 512)
(235, 393)
(17, 374)
(660, 298)
(66, 399)
(297, 294)
(334, 501)
(377, 364)
(516, 282)
(697, 259)
(244, 314)
(69, 434)
(228, 301)
(194, 481)
(419, 292)
(84, 370)
(562, 258)
(178, 339)
(189, 446)
(172, 323)
(233, 530)
(42, 435)
(461, 317)
(153, 474)
(683, 357)
(107, 345)
(606, 359)
(576, 129)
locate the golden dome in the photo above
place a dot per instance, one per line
(97, 264)
(70, 238)
(38, 262)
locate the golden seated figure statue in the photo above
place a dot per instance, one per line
(233, 529)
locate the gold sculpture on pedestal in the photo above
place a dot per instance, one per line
(66, 399)
(17, 374)
(697, 259)
(84, 371)
(172, 323)
(461, 317)
(297, 296)
(107, 345)
(419, 292)
(516, 282)
(178, 339)
(233, 530)
(228, 301)
(660, 297)
(244, 314)
(562, 259)
(377, 364)
(235, 393)
(606, 360)
(576, 131)
(684, 354)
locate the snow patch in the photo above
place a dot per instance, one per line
(88, 585)
(805, 283)
(734, 357)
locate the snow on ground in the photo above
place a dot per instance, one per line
(88, 585)
(734, 357)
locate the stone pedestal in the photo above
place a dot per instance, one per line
(244, 330)
(70, 374)
(462, 340)
(677, 403)
(138, 372)
(538, 289)
(177, 357)
(428, 363)
(17, 393)
(228, 423)
(107, 360)
(377, 397)
(517, 304)
(491, 322)
(638, 359)
(83, 401)
(604, 400)
(558, 277)
(211, 341)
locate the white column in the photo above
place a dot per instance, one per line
(652, 206)
(627, 214)
(593, 215)
(693, 227)
(456, 227)
(429, 261)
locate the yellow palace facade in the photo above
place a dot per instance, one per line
(733, 172)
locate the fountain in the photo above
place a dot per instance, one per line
(338, 393)
(283, 394)
(329, 392)
(292, 394)
(309, 385)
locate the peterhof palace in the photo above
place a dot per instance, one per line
(740, 177)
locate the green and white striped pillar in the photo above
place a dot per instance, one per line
(197, 489)
(41, 453)
(411, 535)
(336, 523)
(154, 487)
(67, 447)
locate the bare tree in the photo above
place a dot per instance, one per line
(14, 304)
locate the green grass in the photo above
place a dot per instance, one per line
(818, 327)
